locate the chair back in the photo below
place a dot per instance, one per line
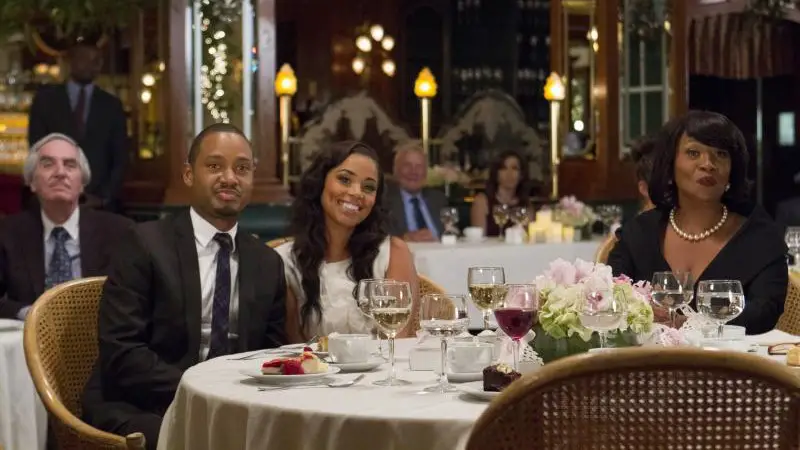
(647, 397)
(790, 319)
(61, 350)
(605, 249)
(279, 241)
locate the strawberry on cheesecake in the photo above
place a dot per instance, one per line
(306, 363)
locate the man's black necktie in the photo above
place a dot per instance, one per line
(418, 216)
(220, 345)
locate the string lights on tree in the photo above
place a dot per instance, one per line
(216, 18)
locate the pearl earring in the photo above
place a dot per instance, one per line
(727, 187)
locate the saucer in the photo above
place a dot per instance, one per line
(365, 366)
(464, 377)
(475, 390)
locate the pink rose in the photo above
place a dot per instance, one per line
(562, 272)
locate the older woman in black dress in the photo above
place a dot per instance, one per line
(704, 222)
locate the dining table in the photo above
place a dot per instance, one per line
(23, 419)
(217, 406)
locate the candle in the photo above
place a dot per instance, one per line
(555, 232)
(544, 217)
(569, 234)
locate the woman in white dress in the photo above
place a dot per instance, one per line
(340, 237)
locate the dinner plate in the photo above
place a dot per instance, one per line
(475, 390)
(287, 379)
(11, 325)
(298, 347)
(464, 377)
(359, 366)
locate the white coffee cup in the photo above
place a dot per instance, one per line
(350, 348)
(469, 357)
(473, 234)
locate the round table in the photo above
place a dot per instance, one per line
(218, 407)
(23, 419)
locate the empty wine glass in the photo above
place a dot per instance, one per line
(449, 216)
(390, 306)
(443, 315)
(362, 300)
(602, 313)
(720, 300)
(500, 214)
(517, 314)
(486, 288)
(792, 238)
(672, 290)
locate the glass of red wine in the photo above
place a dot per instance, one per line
(518, 313)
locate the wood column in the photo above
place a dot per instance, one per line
(678, 65)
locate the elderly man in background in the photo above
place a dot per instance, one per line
(58, 241)
(414, 209)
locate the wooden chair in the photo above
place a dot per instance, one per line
(647, 397)
(790, 319)
(605, 249)
(279, 241)
(61, 349)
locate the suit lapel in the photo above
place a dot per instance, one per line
(33, 249)
(189, 272)
(95, 114)
(247, 282)
(90, 247)
(67, 112)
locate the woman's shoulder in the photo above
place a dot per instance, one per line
(285, 251)
(761, 231)
(643, 225)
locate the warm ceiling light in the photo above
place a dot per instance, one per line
(376, 31)
(389, 68)
(146, 96)
(148, 79)
(387, 43)
(358, 65)
(363, 43)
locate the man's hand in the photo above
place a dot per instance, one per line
(423, 235)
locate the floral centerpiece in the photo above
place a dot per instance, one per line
(447, 175)
(574, 213)
(563, 292)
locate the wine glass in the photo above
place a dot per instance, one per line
(390, 306)
(602, 313)
(672, 290)
(500, 214)
(792, 238)
(486, 288)
(521, 215)
(443, 315)
(362, 300)
(449, 216)
(720, 300)
(517, 314)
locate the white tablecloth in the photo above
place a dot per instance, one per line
(23, 420)
(218, 408)
(447, 265)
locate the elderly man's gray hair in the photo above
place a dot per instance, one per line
(32, 159)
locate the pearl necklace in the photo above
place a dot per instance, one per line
(699, 236)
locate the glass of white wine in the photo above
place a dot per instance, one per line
(390, 306)
(602, 313)
(487, 288)
(445, 316)
(671, 290)
(501, 213)
(721, 301)
(362, 300)
(449, 216)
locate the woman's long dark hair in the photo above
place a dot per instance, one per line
(523, 187)
(308, 226)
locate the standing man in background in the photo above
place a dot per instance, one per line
(91, 116)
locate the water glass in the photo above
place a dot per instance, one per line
(792, 238)
(390, 306)
(672, 290)
(720, 301)
(449, 216)
(445, 316)
(518, 313)
(362, 300)
(602, 312)
(486, 289)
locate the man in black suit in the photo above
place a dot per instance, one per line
(91, 116)
(185, 289)
(58, 241)
(414, 209)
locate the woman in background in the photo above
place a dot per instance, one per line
(340, 237)
(507, 185)
(704, 222)
(642, 156)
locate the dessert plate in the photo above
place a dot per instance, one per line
(475, 389)
(359, 366)
(464, 377)
(287, 379)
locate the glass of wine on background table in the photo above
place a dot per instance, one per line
(671, 290)
(445, 316)
(501, 214)
(390, 306)
(720, 301)
(517, 314)
(487, 289)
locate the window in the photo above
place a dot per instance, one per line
(786, 129)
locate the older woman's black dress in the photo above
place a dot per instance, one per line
(755, 255)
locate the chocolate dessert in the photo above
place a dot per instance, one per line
(498, 376)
